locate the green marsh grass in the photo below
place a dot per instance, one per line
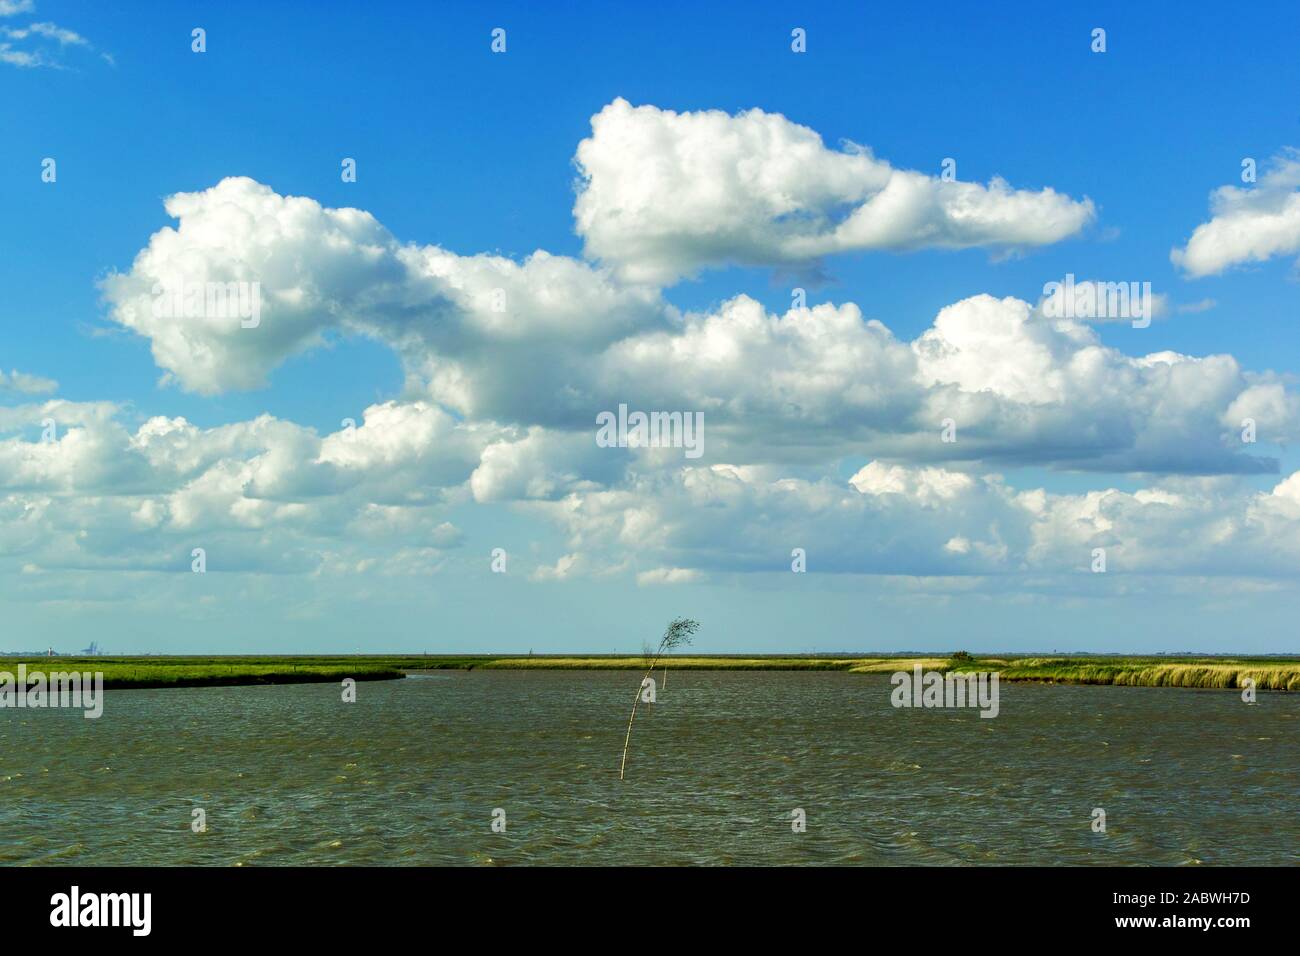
(1219, 673)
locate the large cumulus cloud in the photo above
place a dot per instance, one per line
(325, 272)
(665, 194)
(551, 342)
(508, 363)
(925, 521)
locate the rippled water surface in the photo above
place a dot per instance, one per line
(411, 774)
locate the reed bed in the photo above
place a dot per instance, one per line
(1206, 674)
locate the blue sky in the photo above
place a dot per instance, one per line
(474, 153)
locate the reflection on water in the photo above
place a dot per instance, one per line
(411, 774)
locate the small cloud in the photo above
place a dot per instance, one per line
(667, 576)
(447, 535)
(21, 58)
(25, 384)
(1189, 308)
(561, 569)
(51, 31)
(38, 40)
(1247, 225)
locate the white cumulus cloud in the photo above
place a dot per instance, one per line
(1248, 224)
(665, 194)
(551, 342)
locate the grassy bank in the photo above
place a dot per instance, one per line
(1206, 673)
(677, 663)
(1202, 672)
(1269, 673)
(137, 673)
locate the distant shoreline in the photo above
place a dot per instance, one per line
(139, 673)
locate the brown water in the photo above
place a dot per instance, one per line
(411, 774)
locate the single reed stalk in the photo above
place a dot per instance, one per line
(679, 632)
